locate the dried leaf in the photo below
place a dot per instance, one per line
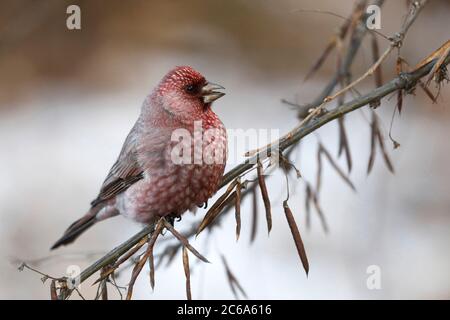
(377, 136)
(136, 271)
(386, 158)
(184, 241)
(437, 66)
(265, 195)
(343, 30)
(187, 273)
(254, 215)
(323, 221)
(343, 144)
(441, 75)
(216, 212)
(427, 91)
(216, 208)
(308, 199)
(170, 252)
(319, 171)
(439, 54)
(104, 291)
(336, 40)
(53, 293)
(336, 167)
(104, 287)
(420, 82)
(316, 66)
(378, 72)
(434, 55)
(238, 210)
(400, 91)
(356, 17)
(339, 54)
(149, 252)
(373, 134)
(122, 260)
(296, 235)
(151, 266)
(232, 280)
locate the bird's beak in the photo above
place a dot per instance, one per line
(209, 94)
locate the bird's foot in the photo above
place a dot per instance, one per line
(171, 219)
(204, 205)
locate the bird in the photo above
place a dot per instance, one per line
(165, 167)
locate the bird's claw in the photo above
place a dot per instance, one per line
(172, 218)
(204, 205)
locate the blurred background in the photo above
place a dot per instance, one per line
(69, 97)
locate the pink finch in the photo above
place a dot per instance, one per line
(148, 180)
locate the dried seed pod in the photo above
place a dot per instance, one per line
(308, 200)
(343, 144)
(53, 293)
(232, 280)
(184, 241)
(217, 207)
(400, 91)
(265, 196)
(373, 134)
(296, 235)
(254, 215)
(187, 273)
(336, 167)
(237, 209)
(148, 253)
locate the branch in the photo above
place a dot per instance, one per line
(406, 80)
(318, 117)
(115, 254)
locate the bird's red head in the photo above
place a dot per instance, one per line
(184, 91)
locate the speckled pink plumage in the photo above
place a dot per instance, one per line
(145, 183)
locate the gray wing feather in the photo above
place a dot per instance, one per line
(125, 171)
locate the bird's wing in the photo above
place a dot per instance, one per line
(125, 171)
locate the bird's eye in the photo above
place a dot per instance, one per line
(191, 88)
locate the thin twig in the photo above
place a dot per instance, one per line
(360, 30)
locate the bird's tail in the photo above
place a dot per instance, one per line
(77, 228)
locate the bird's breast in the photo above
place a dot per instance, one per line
(186, 174)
